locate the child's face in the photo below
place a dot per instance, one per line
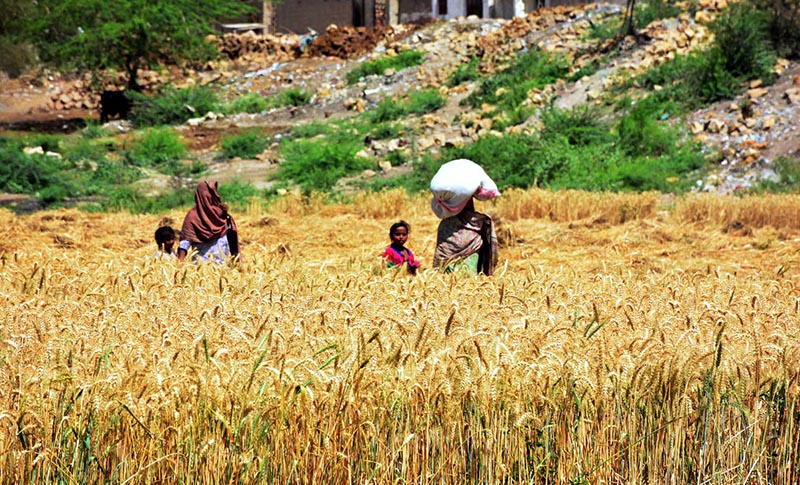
(400, 236)
(168, 245)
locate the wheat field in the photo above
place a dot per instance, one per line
(625, 339)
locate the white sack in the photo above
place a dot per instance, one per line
(456, 183)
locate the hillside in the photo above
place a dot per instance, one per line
(742, 137)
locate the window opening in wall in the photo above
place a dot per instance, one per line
(442, 7)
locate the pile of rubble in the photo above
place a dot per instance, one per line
(250, 46)
(348, 42)
(84, 94)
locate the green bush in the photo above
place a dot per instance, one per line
(509, 88)
(237, 194)
(161, 149)
(653, 10)
(249, 103)
(783, 26)
(172, 106)
(581, 125)
(26, 174)
(385, 131)
(740, 36)
(312, 129)
(418, 102)
(641, 135)
(83, 150)
(295, 97)
(379, 66)
(248, 144)
(387, 110)
(739, 53)
(94, 130)
(425, 101)
(319, 164)
(127, 198)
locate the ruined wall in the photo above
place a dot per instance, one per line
(411, 11)
(298, 15)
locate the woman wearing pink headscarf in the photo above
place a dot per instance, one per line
(208, 229)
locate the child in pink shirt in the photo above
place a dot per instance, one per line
(397, 254)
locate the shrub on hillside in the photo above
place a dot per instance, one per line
(379, 66)
(740, 37)
(249, 103)
(172, 106)
(319, 164)
(248, 144)
(26, 174)
(508, 89)
(161, 149)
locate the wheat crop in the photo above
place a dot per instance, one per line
(622, 341)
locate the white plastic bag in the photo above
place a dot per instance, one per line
(456, 183)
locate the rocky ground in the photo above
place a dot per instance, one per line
(746, 134)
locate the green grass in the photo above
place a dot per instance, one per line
(248, 144)
(401, 61)
(159, 148)
(172, 106)
(509, 88)
(415, 103)
(249, 103)
(316, 165)
(464, 73)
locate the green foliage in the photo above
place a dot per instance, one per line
(294, 97)
(739, 53)
(639, 133)
(312, 129)
(653, 10)
(783, 29)
(15, 58)
(387, 110)
(237, 194)
(581, 125)
(26, 174)
(83, 171)
(172, 106)
(464, 73)
(604, 30)
(740, 36)
(126, 35)
(644, 14)
(318, 164)
(128, 198)
(509, 88)
(249, 103)
(417, 102)
(247, 144)
(161, 149)
(386, 131)
(425, 101)
(379, 66)
(94, 130)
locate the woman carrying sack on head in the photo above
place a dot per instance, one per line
(208, 229)
(465, 240)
